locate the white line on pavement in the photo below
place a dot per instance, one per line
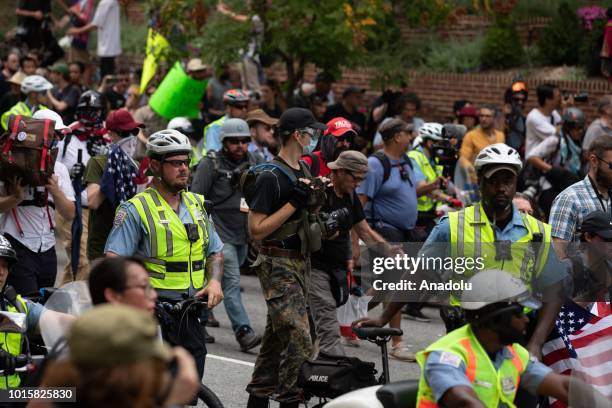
(231, 360)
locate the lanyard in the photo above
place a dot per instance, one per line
(599, 197)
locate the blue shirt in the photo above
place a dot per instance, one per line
(554, 269)
(213, 135)
(394, 203)
(128, 235)
(263, 153)
(442, 373)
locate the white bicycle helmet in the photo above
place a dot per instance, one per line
(54, 116)
(182, 124)
(499, 154)
(168, 141)
(493, 286)
(35, 83)
(431, 131)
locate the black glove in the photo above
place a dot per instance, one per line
(299, 195)
(7, 362)
(558, 176)
(77, 171)
(96, 146)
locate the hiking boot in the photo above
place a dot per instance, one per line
(247, 339)
(416, 314)
(209, 339)
(212, 322)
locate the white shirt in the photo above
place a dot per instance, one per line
(539, 127)
(71, 157)
(107, 20)
(38, 236)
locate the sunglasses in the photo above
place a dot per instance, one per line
(602, 160)
(178, 163)
(235, 141)
(354, 177)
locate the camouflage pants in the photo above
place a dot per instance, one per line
(286, 341)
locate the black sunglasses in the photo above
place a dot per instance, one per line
(235, 141)
(178, 163)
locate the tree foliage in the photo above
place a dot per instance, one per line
(327, 33)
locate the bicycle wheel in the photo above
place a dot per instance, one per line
(208, 397)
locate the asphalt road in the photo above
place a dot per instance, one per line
(228, 370)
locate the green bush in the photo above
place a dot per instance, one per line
(560, 41)
(502, 47)
(454, 56)
(591, 47)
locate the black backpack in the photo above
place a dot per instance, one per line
(386, 163)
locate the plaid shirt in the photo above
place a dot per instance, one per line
(571, 206)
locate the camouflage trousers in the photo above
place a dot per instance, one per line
(286, 342)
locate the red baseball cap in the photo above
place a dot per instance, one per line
(121, 119)
(339, 126)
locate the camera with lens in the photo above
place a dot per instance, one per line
(582, 96)
(333, 221)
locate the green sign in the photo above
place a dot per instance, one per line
(178, 95)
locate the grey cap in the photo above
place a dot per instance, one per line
(493, 286)
(235, 127)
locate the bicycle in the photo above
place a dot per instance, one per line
(177, 311)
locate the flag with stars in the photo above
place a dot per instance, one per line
(581, 344)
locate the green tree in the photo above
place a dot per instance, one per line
(327, 33)
(561, 40)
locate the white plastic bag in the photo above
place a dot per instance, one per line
(355, 308)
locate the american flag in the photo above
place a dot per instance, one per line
(581, 344)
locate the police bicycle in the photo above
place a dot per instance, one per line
(170, 313)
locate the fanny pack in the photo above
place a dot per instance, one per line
(330, 376)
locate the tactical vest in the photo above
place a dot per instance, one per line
(174, 261)
(425, 203)
(471, 236)
(20, 108)
(11, 343)
(491, 385)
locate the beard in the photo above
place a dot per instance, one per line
(508, 335)
(603, 179)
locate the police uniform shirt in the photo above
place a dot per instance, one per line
(554, 269)
(34, 221)
(444, 370)
(127, 237)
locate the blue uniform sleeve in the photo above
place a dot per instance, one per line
(532, 377)
(555, 270)
(126, 232)
(373, 181)
(418, 173)
(212, 138)
(35, 310)
(215, 244)
(443, 371)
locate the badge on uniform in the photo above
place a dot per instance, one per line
(450, 359)
(507, 384)
(119, 217)
(244, 207)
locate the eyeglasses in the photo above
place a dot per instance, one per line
(178, 163)
(608, 163)
(357, 179)
(235, 141)
(146, 288)
(313, 133)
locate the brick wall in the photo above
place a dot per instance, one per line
(438, 91)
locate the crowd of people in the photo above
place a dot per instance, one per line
(153, 209)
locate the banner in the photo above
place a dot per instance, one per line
(156, 47)
(178, 95)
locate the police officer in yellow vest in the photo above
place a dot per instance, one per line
(35, 88)
(169, 227)
(13, 344)
(482, 364)
(494, 234)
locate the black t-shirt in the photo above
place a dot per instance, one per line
(33, 5)
(338, 110)
(70, 94)
(334, 253)
(114, 99)
(273, 190)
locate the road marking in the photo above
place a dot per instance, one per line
(231, 360)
